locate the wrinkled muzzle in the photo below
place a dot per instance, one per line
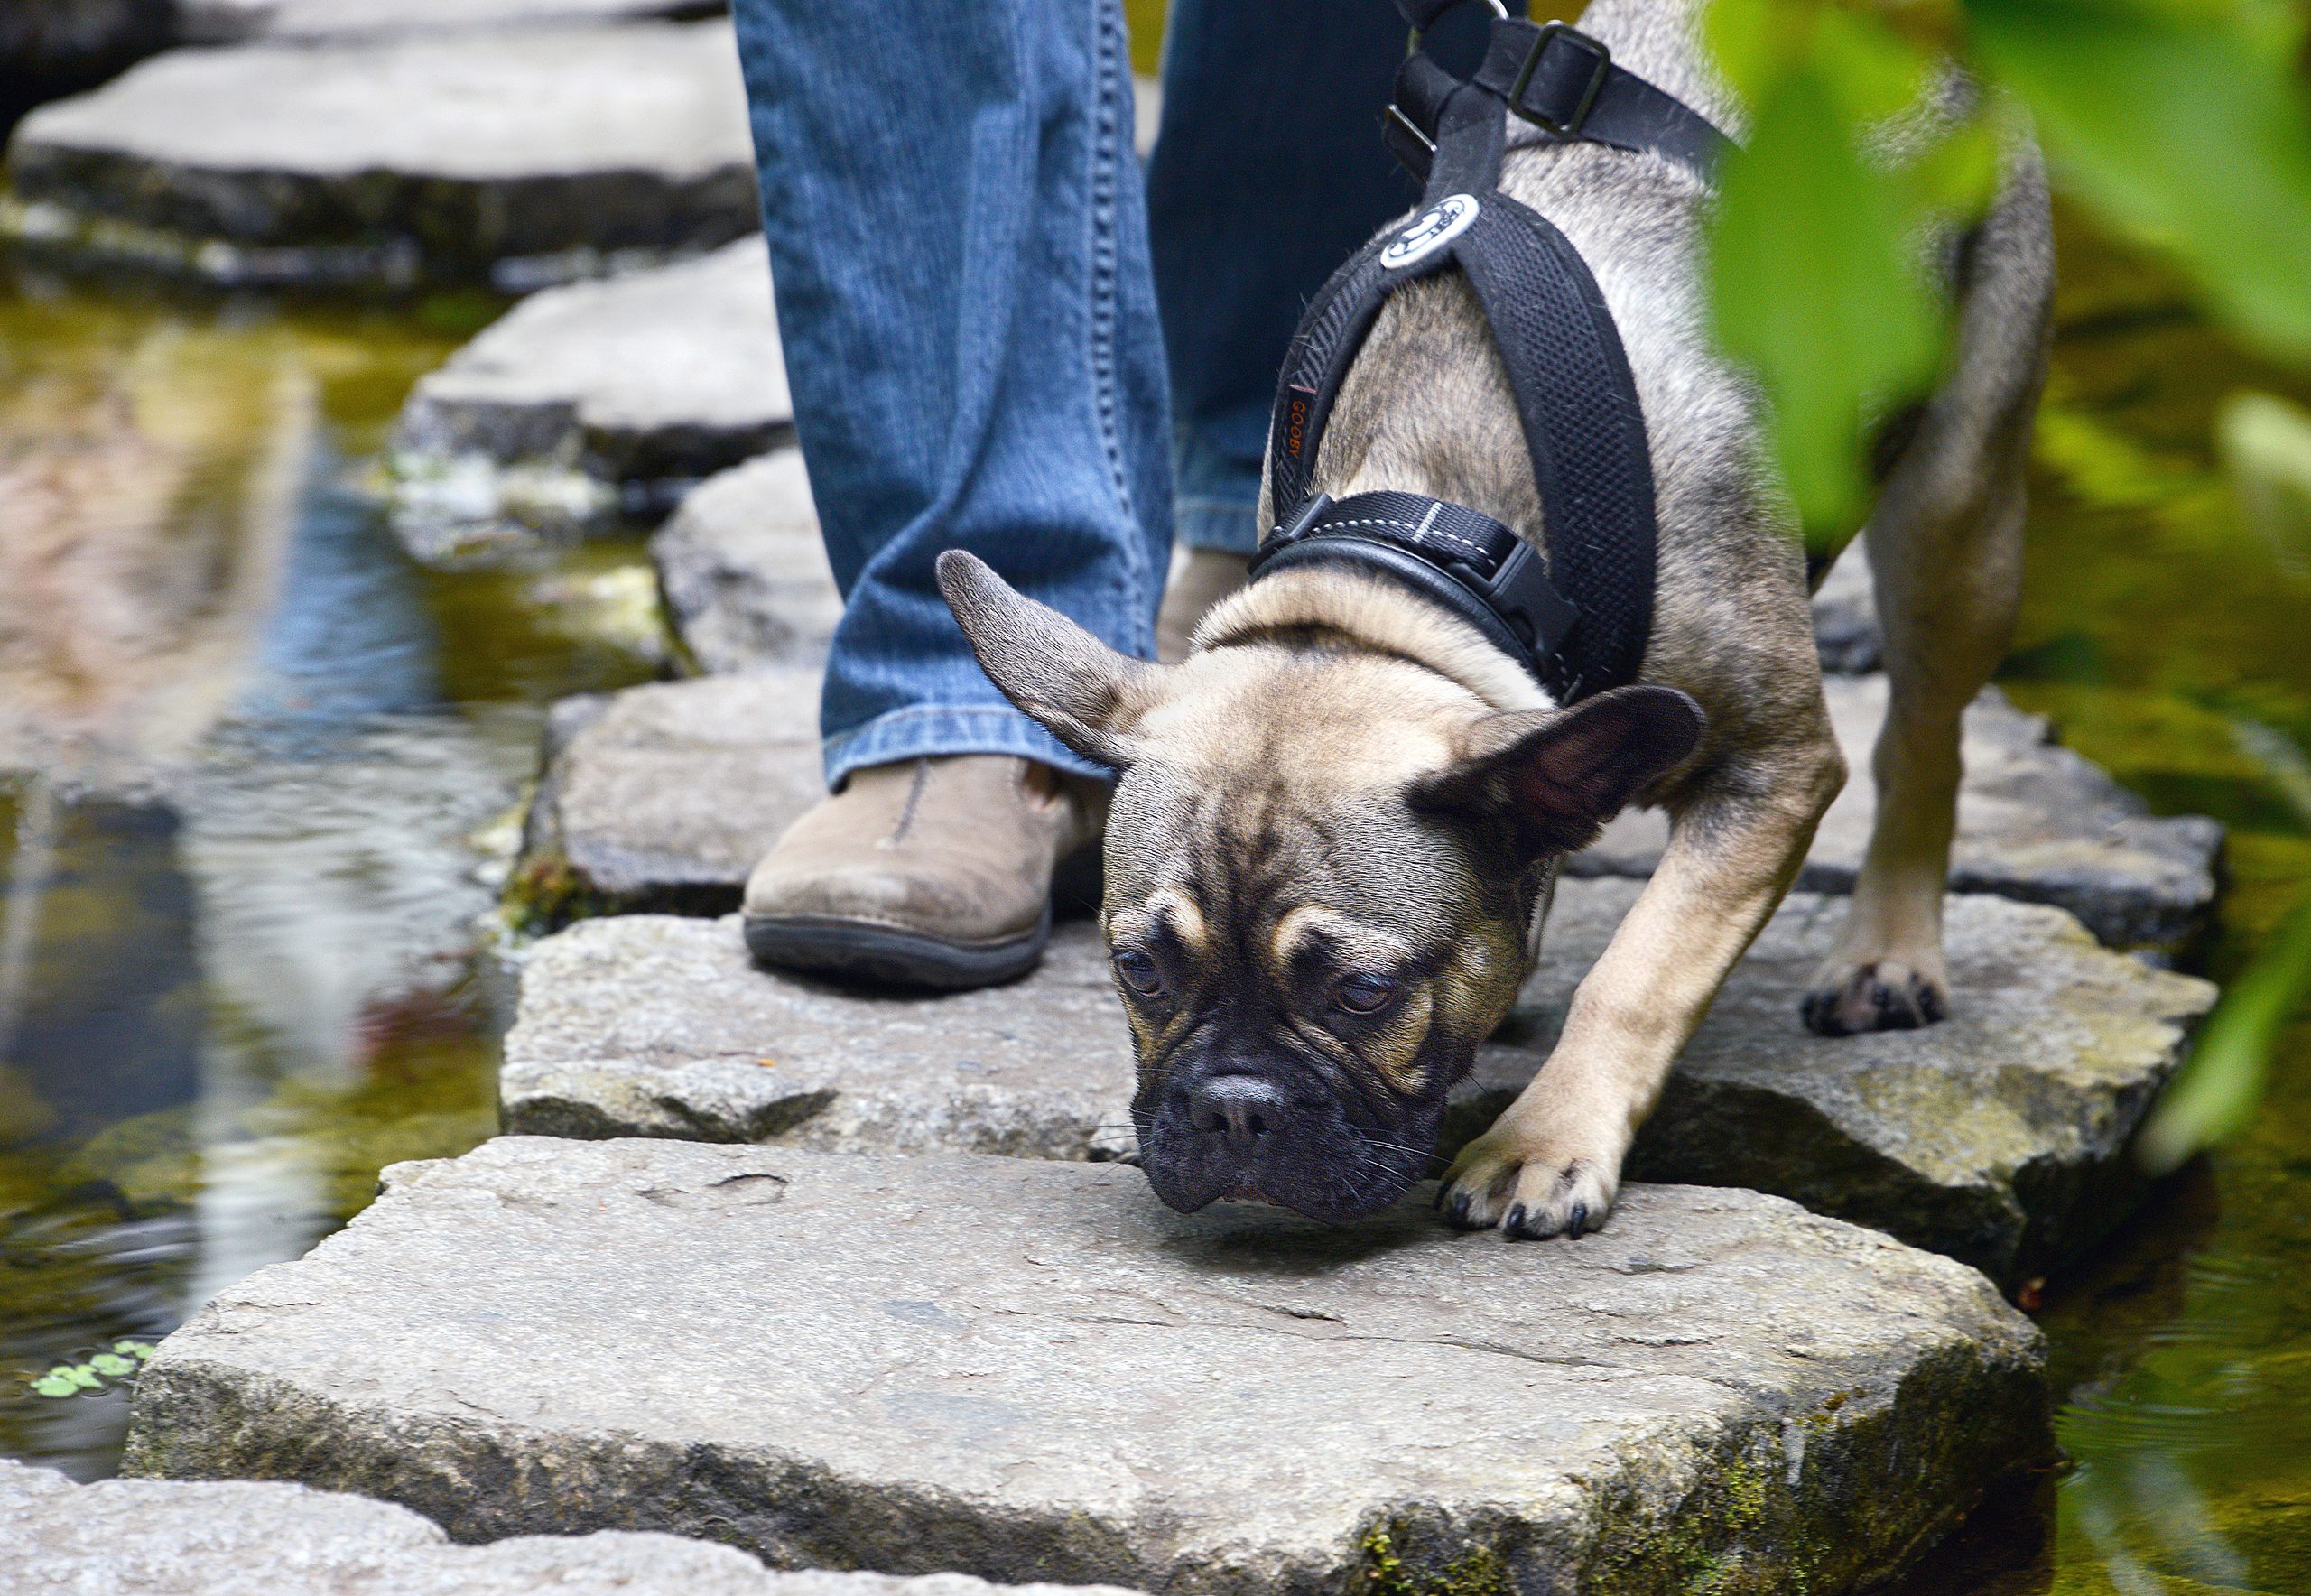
(1267, 1129)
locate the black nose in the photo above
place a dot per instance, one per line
(1244, 1109)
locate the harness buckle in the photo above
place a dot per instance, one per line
(1568, 125)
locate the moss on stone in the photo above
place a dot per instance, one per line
(1478, 1572)
(546, 892)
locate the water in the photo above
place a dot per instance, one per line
(240, 952)
(234, 992)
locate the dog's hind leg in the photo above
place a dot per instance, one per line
(1945, 548)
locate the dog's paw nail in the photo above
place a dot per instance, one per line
(1459, 1211)
(1512, 1223)
(1577, 1226)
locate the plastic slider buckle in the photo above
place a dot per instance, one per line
(1522, 595)
(1570, 124)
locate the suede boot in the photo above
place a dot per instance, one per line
(926, 873)
(1199, 579)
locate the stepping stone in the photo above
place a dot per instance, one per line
(153, 1537)
(237, 22)
(2001, 1137)
(744, 571)
(592, 403)
(1998, 1136)
(2035, 822)
(661, 798)
(1024, 1369)
(1845, 616)
(508, 159)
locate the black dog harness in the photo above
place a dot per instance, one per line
(1579, 623)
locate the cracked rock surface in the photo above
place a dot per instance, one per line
(1024, 1369)
(2035, 822)
(592, 403)
(744, 571)
(662, 797)
(151, 1537)
(504, 158)
(1998, 1136)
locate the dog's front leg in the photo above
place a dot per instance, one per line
(1551, 1163)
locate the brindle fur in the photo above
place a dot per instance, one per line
(1342, 778)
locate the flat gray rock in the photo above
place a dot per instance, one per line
(662, 797)
(646, 1024)
(1998, 1136)
(1845, 616)
(744, 571)
(1025, 1369)
(590, 403)
(237, 22)
(507, 158)
(2035, 822)
(153, 1537)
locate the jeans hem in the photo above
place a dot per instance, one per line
(1216, 524)
(931, 730)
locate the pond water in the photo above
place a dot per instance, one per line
(244, 953)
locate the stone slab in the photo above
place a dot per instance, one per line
(661, 798)
(1845, 616)
(744, 569)
(512, 159)
(1998, 1136)
(152, 1537)
(2035, 822)
(1024, 1369)
(2001, 1137)
(592, 403)
(238, 22)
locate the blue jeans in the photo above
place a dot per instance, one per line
(969, 294)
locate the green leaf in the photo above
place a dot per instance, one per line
(2183, 127)
(2216, 1092)
(82, 1375)
(137, 1350)
(112, 1366)
(56, 1384)
(1814, 290)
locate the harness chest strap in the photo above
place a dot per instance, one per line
(1581, 625)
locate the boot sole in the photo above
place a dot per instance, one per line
(885, 956)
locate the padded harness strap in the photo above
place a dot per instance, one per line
(1582, 625)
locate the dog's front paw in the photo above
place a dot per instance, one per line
(1532, 1186)
(1881, 994)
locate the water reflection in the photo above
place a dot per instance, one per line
(253, 746)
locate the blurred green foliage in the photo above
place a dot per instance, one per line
(2181, 125)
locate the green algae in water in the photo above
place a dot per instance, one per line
(253, 979)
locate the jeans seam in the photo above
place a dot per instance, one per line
(1106, 184)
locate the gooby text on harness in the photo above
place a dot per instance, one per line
(1581, 623)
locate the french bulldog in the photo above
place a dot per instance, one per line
(1337, 823)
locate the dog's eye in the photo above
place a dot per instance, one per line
(1364, 994)
(1138, 972)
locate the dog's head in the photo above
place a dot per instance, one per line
(1320, 873)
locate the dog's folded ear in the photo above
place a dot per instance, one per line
(1557, 775)
(1085, 693)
